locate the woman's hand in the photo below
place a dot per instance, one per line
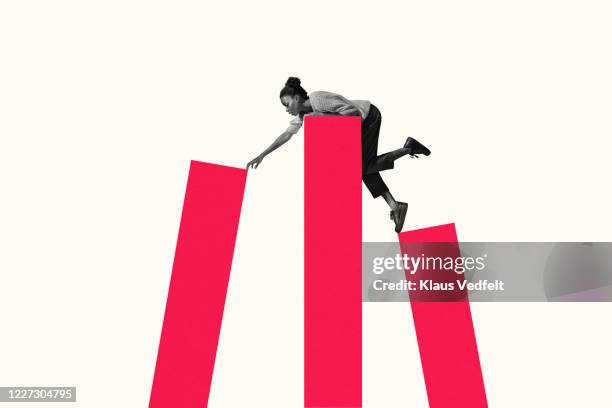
(255, 162)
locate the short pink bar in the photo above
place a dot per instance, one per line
(445, 335)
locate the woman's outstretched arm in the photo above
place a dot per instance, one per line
(281, 140)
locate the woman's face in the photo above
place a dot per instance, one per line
(292, 104)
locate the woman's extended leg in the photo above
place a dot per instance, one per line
(390, 200)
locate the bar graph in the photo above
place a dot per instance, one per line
(332, 285)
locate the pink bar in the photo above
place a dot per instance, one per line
(445, 334)
(200, 275)
(332, 262)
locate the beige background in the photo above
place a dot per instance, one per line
(103, 104)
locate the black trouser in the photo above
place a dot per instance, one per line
(371, 163)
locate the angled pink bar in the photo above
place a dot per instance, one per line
(332, 262)
(198, 286)
(444, 330)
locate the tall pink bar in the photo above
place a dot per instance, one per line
(445, 332)
(332, 262)
(198, 286)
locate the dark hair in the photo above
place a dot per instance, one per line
(293, 87)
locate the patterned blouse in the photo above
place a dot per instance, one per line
(330, 103)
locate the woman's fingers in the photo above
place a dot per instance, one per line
(253, 164)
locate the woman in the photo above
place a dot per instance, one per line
(299, 103)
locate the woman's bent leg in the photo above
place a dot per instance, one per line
(375, 184)
(370, 130)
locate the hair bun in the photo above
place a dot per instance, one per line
(293, 82)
